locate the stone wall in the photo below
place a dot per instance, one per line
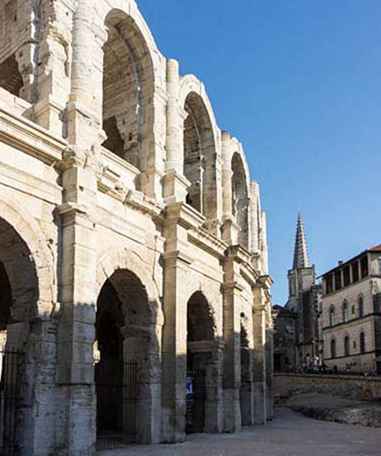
(346, 386)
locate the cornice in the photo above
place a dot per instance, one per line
(30, 138)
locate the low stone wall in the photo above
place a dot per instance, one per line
(347, 386)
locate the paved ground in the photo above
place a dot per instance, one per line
(290, 434)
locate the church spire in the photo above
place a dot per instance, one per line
(300, 254)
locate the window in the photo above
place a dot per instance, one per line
(346, 346)
(361, 307)
(333, 348)
(347, 275)
(331, 316)
(362, 343)
(338, 283)
(355, 271)
(345, 311)
(364, 267)
(329, 283)
(353, 312)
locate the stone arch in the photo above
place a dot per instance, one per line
(240, 197)
(201, 147)
(124, 259)
(29, 231)
(203, 326)
(128, 301)
(27, 298)
(132, 121)
(204, 367)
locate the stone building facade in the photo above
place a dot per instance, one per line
(133, 251)
(298, 338)
(351, 314)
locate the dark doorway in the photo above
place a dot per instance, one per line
(246, 380)
(200, 337)
(126, 362)
(109, 368)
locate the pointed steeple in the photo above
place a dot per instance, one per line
(300, 254)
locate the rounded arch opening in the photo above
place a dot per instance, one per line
(360, 306)
(127, 361)
(200, 347)
(333, 348)
(332, 316)
(199, 157)
(128, 85)
(246, 375)
(362, 342)
(240, 199)
(347, 348)
(345, 310)
(19, 296)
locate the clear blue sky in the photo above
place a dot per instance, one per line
(299, 83)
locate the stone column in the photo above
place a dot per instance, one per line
(175, 184)
(232, 340)
(84, 110)
(174, 340)
(230, 228)
(269, 365)
(254, 212)
(142, 387)
(259, 324)
(76, 330)
(53, 27)
(214, 394)
(174, 356)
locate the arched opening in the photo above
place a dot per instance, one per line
(10, 77)
(200, 363)
(361, 306)
(128, 86)
(345, 310)
(362, 343)
(246, 379)
(346, 346)
(199, 157)
(333, 348)
(240, 199)
(19, 294)
(332, 316)
(127, 364)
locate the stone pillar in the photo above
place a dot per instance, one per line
(54, 21)
(214, 394)
(174, 340)
(84, 110)
(230, 229)
(232, 340)
(269, 366)
(76, 331)
(174, 357)
(142, 386)
(175, 184)
(254, 211)
(40, 371)
(259, 324)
